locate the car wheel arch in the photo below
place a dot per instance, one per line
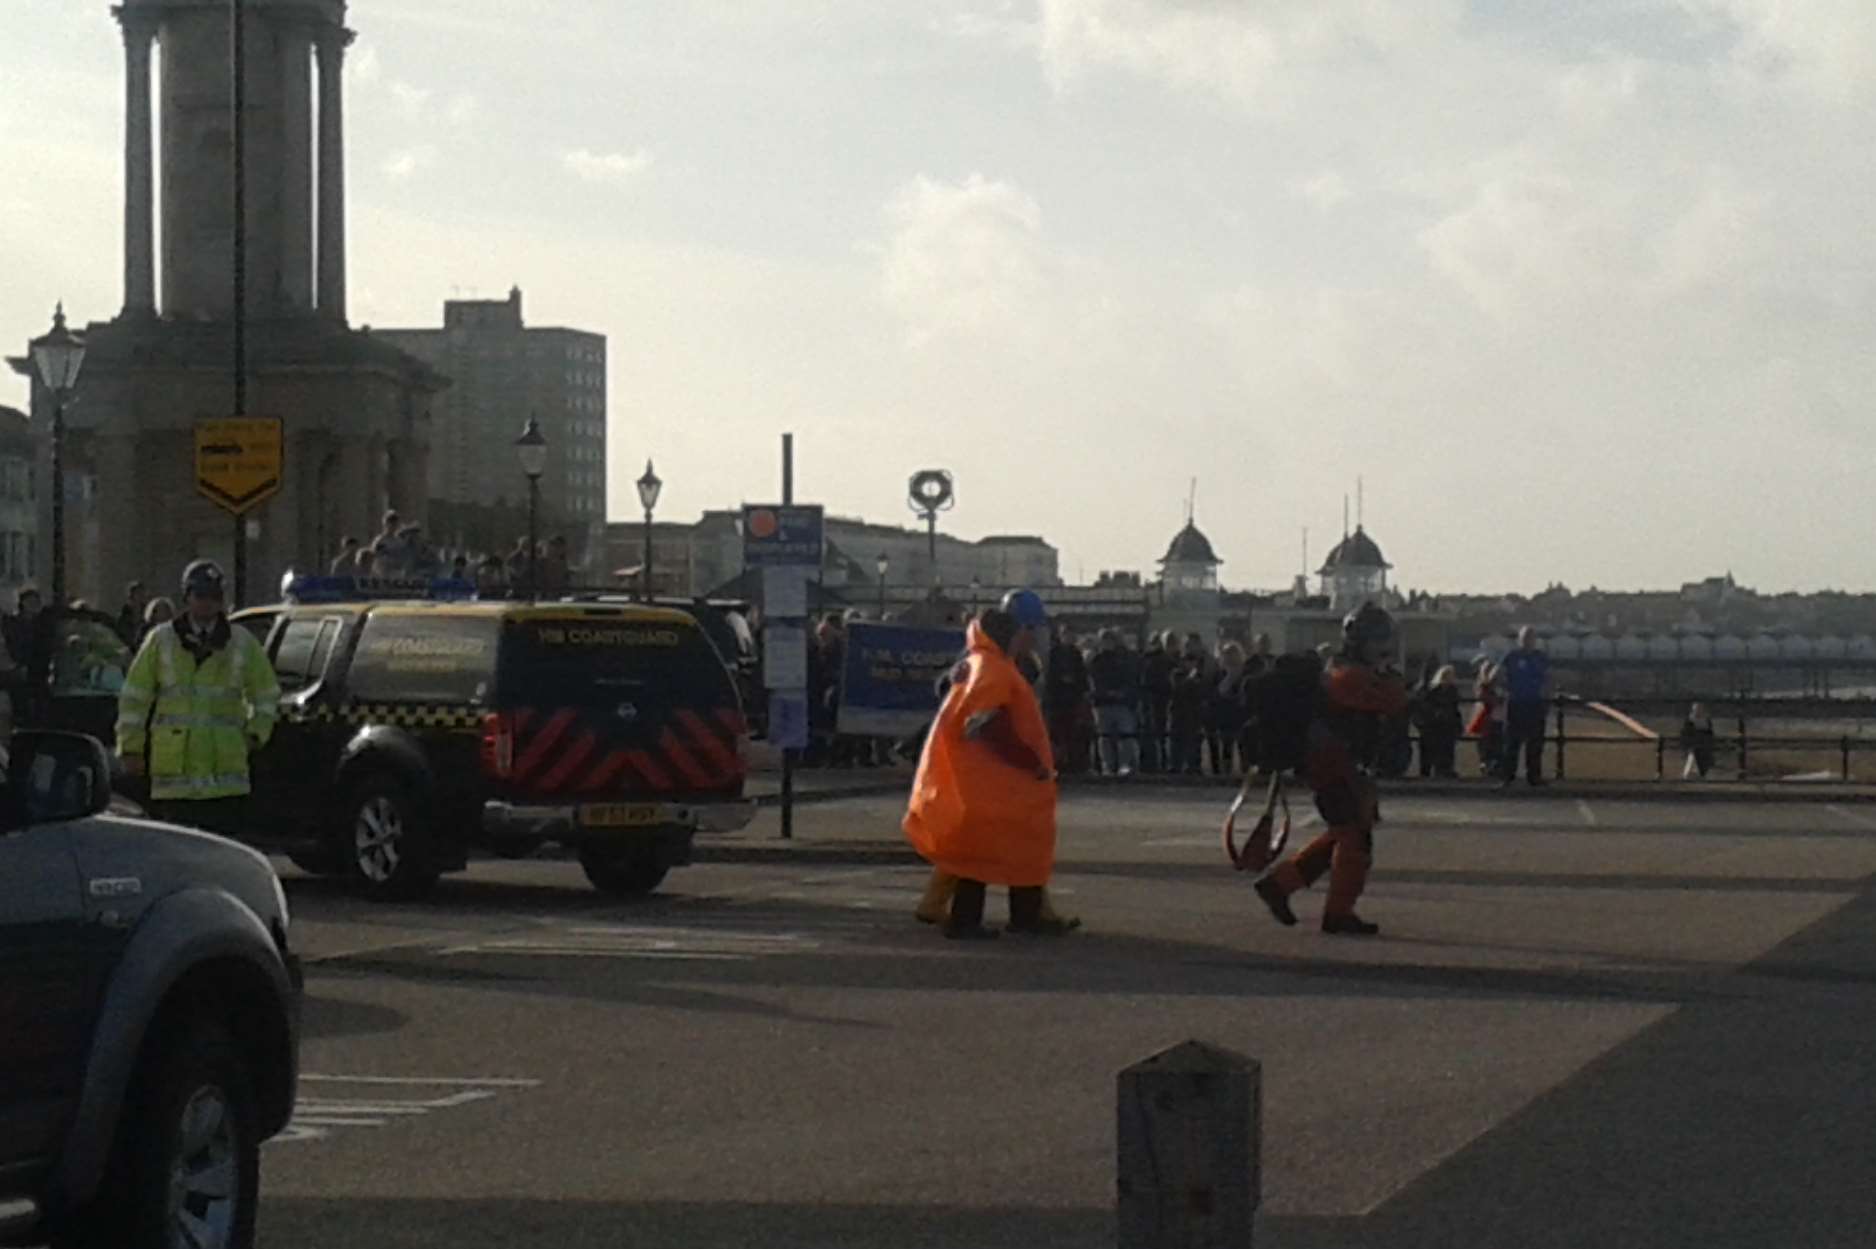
(193, 942)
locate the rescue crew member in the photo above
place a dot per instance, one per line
(200, 697)
(983, 802)
(1032, 619)
(1356, 694)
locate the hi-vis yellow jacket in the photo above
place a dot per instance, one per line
(196, 721)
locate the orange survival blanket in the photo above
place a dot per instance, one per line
(972, 814)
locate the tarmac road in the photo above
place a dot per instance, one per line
(1585, 1023)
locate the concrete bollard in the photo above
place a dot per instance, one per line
(1190, 1149)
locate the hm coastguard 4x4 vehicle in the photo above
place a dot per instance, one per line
(413, 730)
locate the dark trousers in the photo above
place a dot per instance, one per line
(1221, 748)
(1524, 730)
(1155, 754)
(967, 905)
(1438, 751)
(1186, 741)
(227, 816)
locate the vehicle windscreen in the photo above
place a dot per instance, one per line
(424, 658)
(594, 661)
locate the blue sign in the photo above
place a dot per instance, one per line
(774, 535)
(889, 677)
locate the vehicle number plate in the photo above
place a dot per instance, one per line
(620, 815)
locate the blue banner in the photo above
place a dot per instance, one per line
(775, 535)
(889, 677)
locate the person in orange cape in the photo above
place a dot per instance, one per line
(983, 802)
(1357, 691)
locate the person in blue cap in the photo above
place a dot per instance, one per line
(1026, 611)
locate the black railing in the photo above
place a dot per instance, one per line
(1739, 747)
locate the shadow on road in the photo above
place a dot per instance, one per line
(1738, 1121)
(296, 1222)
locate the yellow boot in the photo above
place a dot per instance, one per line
(935, 905)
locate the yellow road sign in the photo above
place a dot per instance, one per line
(238, 460)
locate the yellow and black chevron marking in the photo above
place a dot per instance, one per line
(400, 715)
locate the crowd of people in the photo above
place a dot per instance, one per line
(402, 552)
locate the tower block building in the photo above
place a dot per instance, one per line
(355, 410)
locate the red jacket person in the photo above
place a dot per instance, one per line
(1354, 694)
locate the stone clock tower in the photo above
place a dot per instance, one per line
(355, 409)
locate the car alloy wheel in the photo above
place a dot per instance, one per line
(378, 838)
(205, 1173)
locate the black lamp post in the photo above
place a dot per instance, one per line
(648, 488)
(59, 354)
(882, 564)
(531, 450)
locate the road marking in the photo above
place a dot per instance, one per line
(1851, 817)
(646, 942)
(1589, 816)
(315, 1118)
(492, 1082)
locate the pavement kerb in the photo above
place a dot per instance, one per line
(883, 851)
(1622, 791)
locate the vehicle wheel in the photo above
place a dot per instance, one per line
(185, 1166)
(623, 873)
(385, 850)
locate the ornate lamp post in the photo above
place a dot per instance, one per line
(929, 493)
(648, 488)
(883, 564)
(531, 450)
(58, 355)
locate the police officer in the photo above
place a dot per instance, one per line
(199, 699)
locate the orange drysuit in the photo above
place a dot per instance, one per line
(972, 814)
(1352, 695)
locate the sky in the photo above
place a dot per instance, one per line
(1581, 292)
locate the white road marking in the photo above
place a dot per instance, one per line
(315, 1118)
(1589, 816)
(645, 941)
(491, 1082)
(1848, 816)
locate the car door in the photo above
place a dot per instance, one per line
(291, 773)
(46, 1002)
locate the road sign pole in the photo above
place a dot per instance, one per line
(237, 55)
(788, 755)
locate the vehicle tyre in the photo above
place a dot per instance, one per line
(385, 846)
(628, 873)
(185, 1165)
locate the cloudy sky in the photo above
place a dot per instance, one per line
(1584, 291)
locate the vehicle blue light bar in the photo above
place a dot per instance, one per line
(370, 589)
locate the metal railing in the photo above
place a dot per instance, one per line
(1739, 748)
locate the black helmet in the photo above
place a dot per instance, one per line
(204, 577)
(1367, 623)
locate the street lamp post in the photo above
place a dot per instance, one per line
(648, 488)
(59, 354)
(882, 564)
(531, 450)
